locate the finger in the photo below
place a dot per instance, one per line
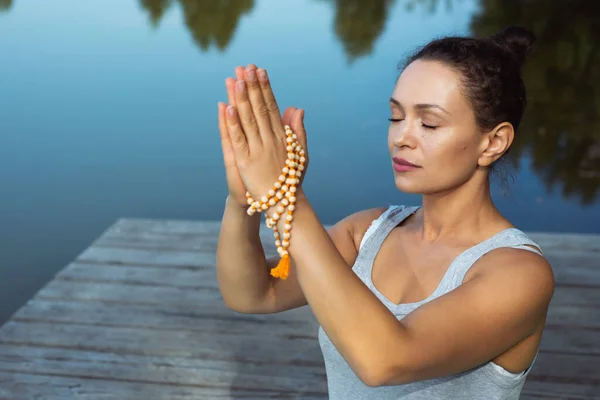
(239, 142)
(228, 155)
(230, 86)
(297, 125)
(246, 114)
(286, 118)
(239, 73)
(270, 102)
(252, 66)
(258, 106)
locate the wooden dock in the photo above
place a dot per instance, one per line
(138, 315)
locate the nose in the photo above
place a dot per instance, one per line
(402, 135)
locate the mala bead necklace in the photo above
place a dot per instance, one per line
(282, 195)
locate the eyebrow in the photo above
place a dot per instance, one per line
(419, 106)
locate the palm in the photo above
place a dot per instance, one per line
(291, 116)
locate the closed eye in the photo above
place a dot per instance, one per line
(422, 124)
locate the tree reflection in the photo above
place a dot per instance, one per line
(214, 21)
(5, 5)
(211, 22)
(561, 127)
(156, 9)
(358, 23)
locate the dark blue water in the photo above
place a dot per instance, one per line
(108, 110)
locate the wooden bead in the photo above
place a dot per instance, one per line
(282, 195)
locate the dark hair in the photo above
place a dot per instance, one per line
(490, 70)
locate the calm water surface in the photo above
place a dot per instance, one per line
(108, 110)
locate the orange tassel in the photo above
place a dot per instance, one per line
(282, 269)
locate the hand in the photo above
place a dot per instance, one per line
(253, 138)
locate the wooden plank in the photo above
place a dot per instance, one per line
(537, 390)
(566, 241)
(192, 298)
(100, 315)
(165, 226)
(182, 227)
(570, 340)
(130, 227)
(569, 263)
(178, 300)
(24, 386)
(165, 318)
(166, 241)
(139, 315)
(135, 275)
(206, 276)
(576, 296)
(163, 258)
(566, 368)
(268, 349)
(148, 368)
(573, 316)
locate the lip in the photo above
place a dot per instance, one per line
(403, 162)
(401, 165)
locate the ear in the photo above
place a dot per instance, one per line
(496, 143)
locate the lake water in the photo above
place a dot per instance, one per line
(108, 110)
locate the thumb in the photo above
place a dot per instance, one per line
(297, 125)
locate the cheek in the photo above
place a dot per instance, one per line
(445, 152)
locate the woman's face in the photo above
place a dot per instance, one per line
(434, 128)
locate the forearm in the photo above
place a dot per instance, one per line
(358, 324)
(242, 271)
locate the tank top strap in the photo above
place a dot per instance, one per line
(511, 237)
(378, 231)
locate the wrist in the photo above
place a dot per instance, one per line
(237, 207)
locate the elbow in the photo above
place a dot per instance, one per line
(241, 308)
(245, 307)
(373, 375)
(377, 376)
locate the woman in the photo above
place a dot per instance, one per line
(442, 300)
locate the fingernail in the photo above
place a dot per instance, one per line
(262, 74)
(251, 74)
(241, 86)
(230, 111)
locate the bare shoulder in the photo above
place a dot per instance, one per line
(358, 222)
(519, 270)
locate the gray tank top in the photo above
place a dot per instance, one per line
(488, 381)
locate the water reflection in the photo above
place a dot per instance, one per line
(209, 21)
(5, 5)
(358, 23)
(156, 9)
(561, 128)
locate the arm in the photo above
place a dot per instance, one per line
(345, 235)
(242, 274)
(246, 288)
(505, 305)
(498, 308)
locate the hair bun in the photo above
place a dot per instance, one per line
(516, 40)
